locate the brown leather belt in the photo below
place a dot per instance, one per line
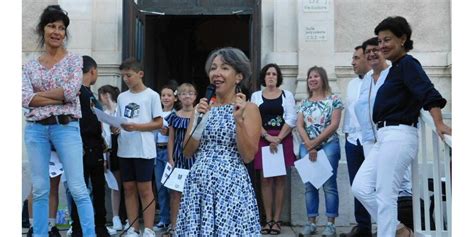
(56, 119)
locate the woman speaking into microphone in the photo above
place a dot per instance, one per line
(218, 198)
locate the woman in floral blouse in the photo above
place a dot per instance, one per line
(317, 121)
(50, 87)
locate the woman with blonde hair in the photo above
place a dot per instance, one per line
(318, 119)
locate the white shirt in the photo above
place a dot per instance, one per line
(364, 107)
(351, 125)
(139, 108)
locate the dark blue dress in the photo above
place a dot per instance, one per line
(180, 126)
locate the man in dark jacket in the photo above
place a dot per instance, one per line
(94, 146)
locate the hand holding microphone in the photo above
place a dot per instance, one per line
(200, 113)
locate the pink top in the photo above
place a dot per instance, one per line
(66, 74)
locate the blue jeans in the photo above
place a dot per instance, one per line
(67, 141)
(333, 152)
(163, 194)
(355, 157)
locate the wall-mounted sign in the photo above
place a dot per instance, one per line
(315, 5)
(314, 33)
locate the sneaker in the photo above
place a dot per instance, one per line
(69, 232)
(169, 232)
(117, 223)
(329, 231)
(132, 233)
(148, 233)
(54, 232)
(111, 231)
(30, 232)
(161, 227)
(308, 229)
(126, 224)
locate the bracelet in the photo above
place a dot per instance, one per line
(264, 135)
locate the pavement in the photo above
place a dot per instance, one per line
(286, 231)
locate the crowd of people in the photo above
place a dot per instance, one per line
(215, 137)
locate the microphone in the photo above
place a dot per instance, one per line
(210, 92)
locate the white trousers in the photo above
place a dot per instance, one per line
(405, 189)
(379, 180)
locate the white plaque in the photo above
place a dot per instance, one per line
(315, 5)
(314, 33)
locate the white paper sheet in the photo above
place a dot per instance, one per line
(318, 172)
(176, 178)
(109, 119)
(110, 179)
(273, 163)
(55, 166)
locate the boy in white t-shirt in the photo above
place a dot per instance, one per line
(141, 106)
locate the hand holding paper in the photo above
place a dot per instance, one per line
(273, 163)
(316, 172)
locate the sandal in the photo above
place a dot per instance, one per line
(266, 231)
(275, 231)
(169, 232)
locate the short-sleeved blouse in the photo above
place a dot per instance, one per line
(317, 114)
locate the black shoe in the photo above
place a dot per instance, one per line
(102, 232)
(54, 232)
(357, 232)
(30, 232)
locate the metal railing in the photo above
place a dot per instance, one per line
(431, 176)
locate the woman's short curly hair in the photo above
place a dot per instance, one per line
(398, 26)
(264, 70)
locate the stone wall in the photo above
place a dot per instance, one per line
(296, 34)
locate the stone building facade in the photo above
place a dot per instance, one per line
(296, 34)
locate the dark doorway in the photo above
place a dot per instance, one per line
(172, 39)
(177, 46)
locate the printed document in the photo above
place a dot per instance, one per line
(273, 163)
(176, 177)
(316, 172)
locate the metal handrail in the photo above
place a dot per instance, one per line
(434, 169)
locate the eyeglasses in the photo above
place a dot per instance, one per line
(373, 50)
(187, 93)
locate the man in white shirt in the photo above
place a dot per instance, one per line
(353, 146)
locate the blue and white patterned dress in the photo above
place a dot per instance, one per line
(218, 197)
(180, 125)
